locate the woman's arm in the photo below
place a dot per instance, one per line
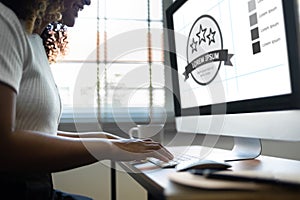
(88, 135)
(29, 151)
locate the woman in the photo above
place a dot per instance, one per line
(31, 148)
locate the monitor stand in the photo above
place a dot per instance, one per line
(245, 149)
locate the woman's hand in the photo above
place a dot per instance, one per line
(138, 149)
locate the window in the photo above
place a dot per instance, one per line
(102, 73)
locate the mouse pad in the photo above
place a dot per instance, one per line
(188, 179)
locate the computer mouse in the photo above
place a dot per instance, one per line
(202, 164)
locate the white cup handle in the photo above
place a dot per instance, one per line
(133, 129)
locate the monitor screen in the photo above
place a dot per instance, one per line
(243, 42)
(242, 54)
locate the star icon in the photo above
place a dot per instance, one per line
(211, 36)
(201, 34)
(193, 45)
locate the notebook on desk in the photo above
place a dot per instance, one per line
(238, 180)
(189, 179)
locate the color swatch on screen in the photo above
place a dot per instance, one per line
(256, 48)
(255, 34)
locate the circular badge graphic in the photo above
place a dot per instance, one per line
(205, 51)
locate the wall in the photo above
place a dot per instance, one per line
(128, 188)
(92, 181)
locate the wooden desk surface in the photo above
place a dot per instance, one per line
(155, 180)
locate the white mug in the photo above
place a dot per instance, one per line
(153, 131)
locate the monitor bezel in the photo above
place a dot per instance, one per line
(274, 103)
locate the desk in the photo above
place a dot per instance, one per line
(156, 182)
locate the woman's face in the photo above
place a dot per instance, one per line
(71, 9)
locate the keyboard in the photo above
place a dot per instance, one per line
(172, 163)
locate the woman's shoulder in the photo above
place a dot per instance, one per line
(13, 30)
(10, 24)
(15, 49)
(7, 15)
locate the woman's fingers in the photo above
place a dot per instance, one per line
(163, 154)
(143, 148)
(160, 152)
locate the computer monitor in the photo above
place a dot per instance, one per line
(236, 70)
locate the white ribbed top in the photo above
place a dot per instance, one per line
(24, 66)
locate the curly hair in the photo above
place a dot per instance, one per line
(55, 41)
(37, 14)
(51, 14)
(55, 34)
(31, 11)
